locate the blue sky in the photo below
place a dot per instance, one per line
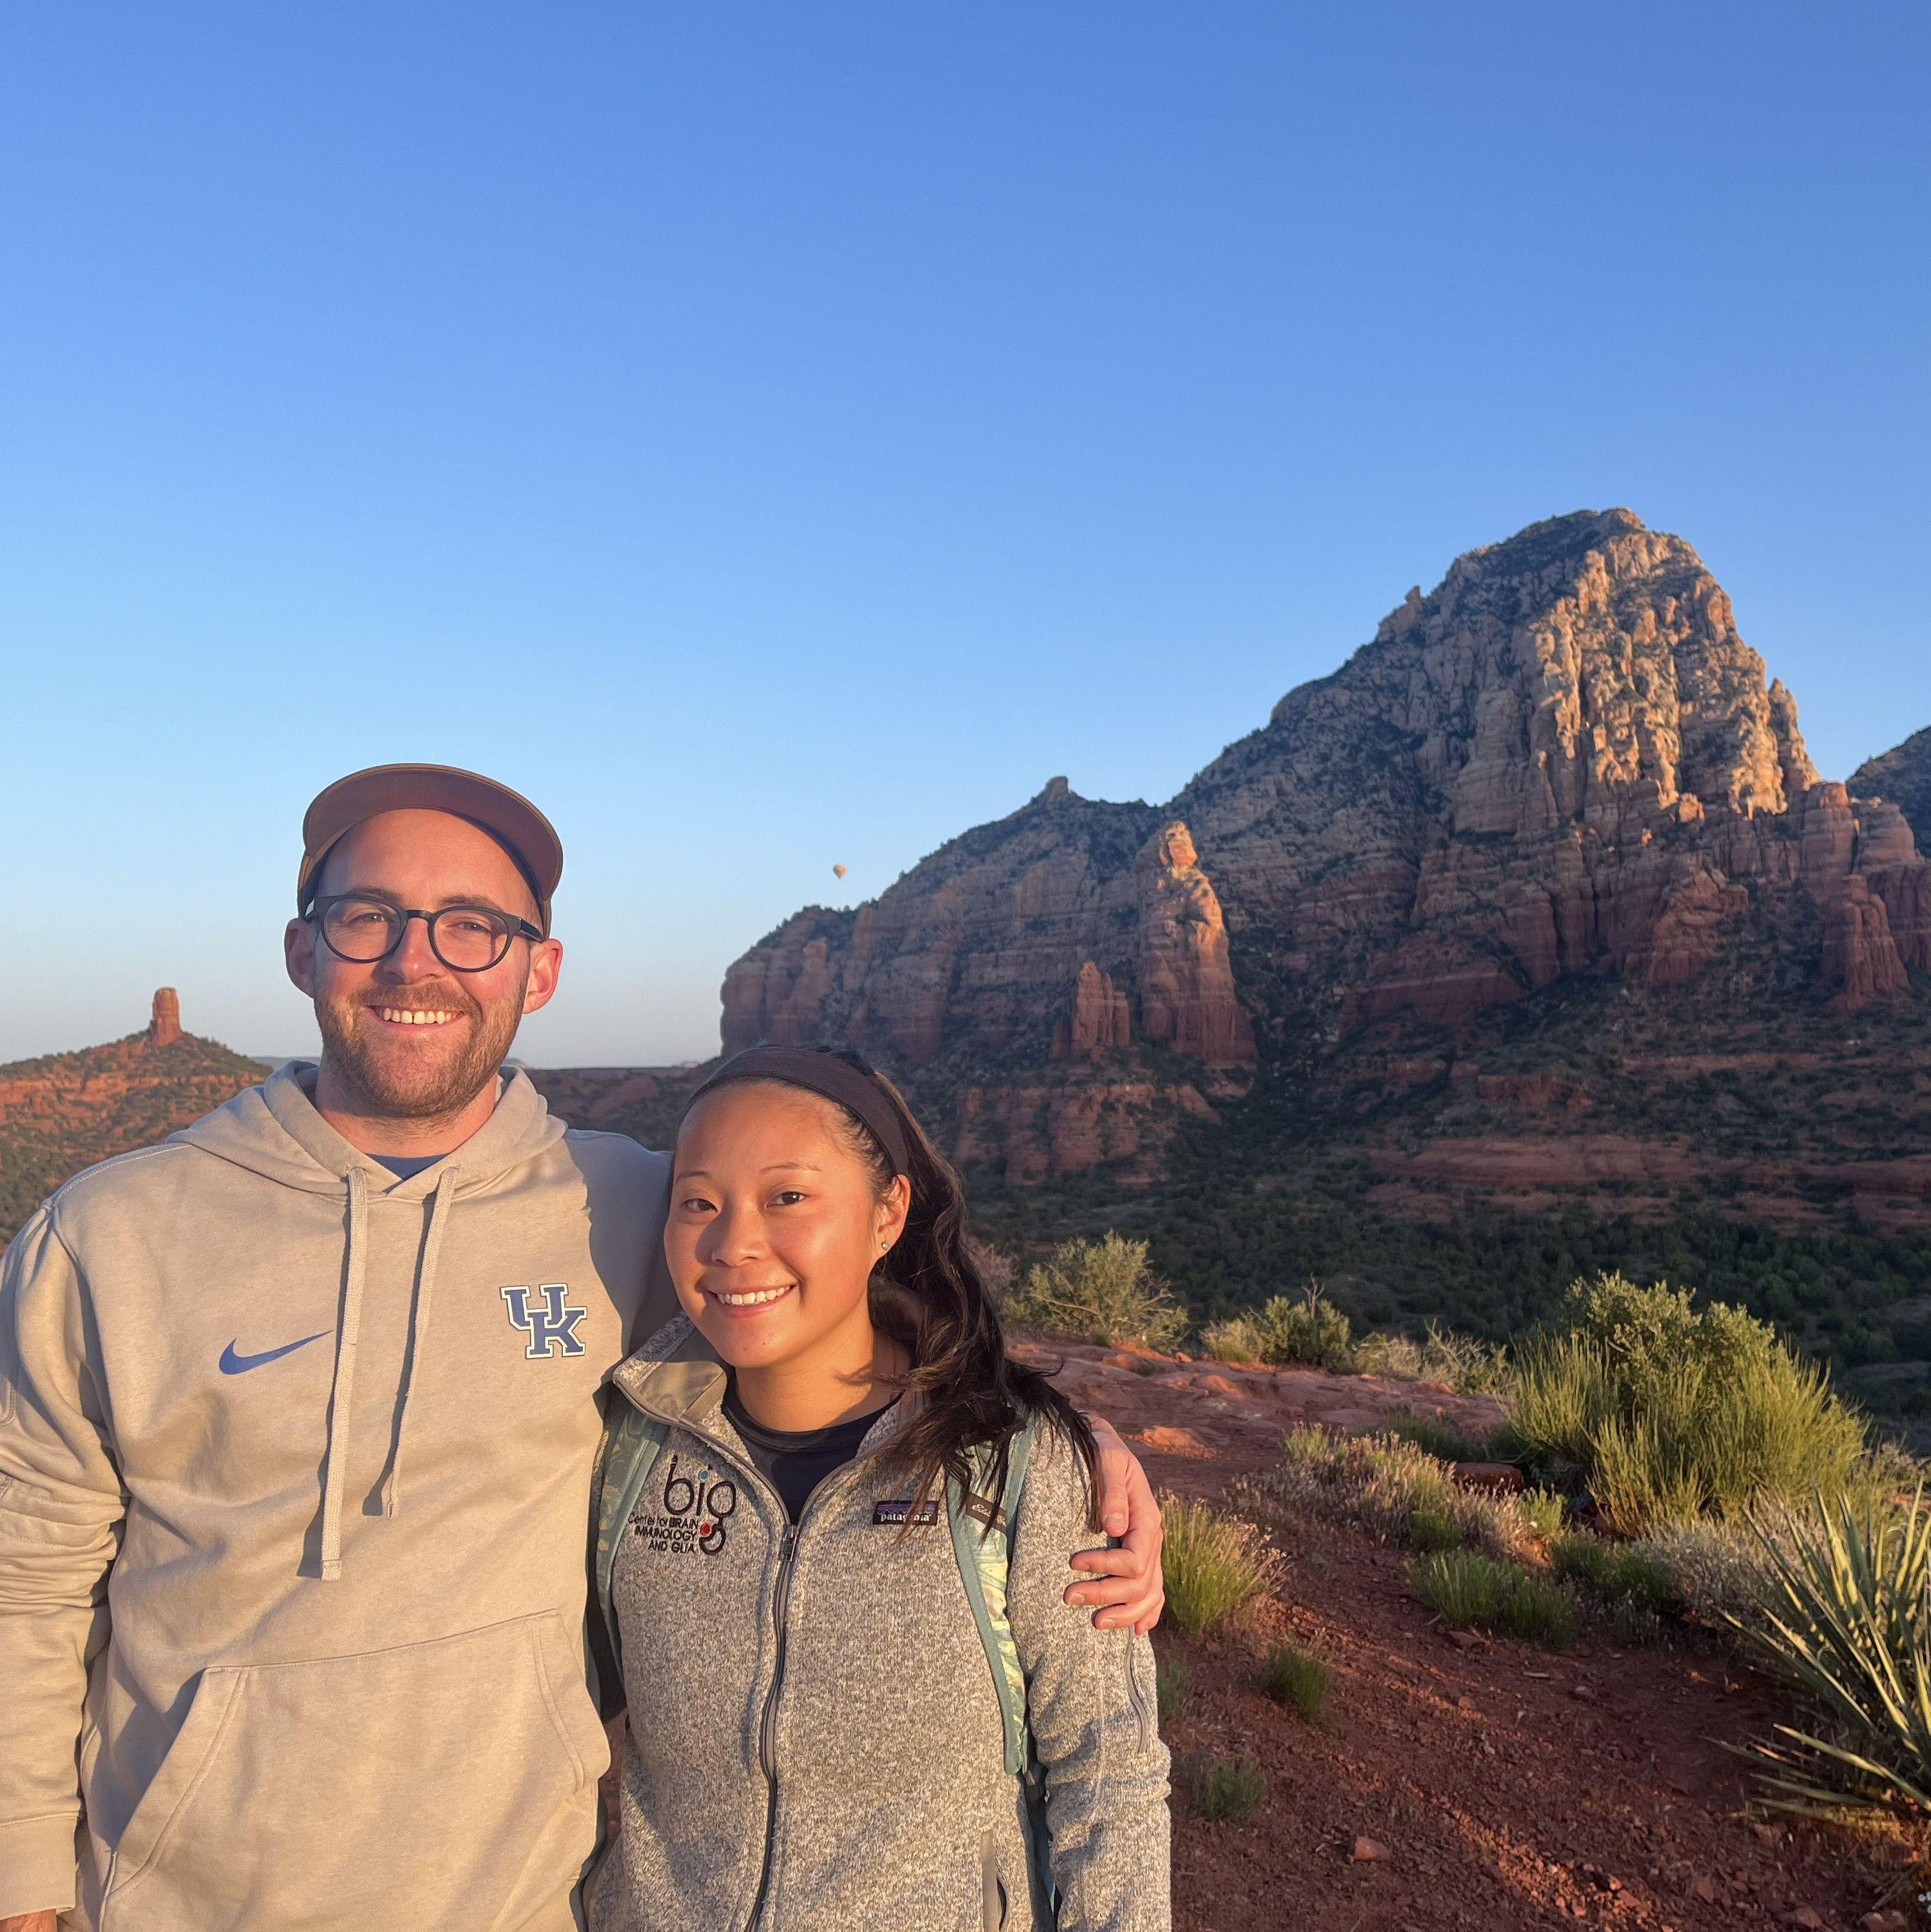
(774, 437)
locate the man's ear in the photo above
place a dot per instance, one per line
(298, 954)
(546, 964)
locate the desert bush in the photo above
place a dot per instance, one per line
(1462, 1587)
(1214, 1565)
(1613, 1572)
(1667, 1412)
(1459, 1362)
(1429, 1529)
(1100, 1291)
(1845, 1617)
(1383, 1484)
(1537, 1610)
(1471, 1590)
(1171, 1678)
(1544, 1511)
(1298, 1679)
(1307, 1328)
(1227, 1791)
(1442, 1440)
(1236, 1339)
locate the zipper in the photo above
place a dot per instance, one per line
(767, 1722)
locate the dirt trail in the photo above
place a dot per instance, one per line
(1510, 1786)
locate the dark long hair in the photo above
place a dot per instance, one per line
(928, 1296)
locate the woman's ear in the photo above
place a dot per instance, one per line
(892, 1210)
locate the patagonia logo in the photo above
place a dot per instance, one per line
(549, 1322)
(692, 1514)
(902, 1510)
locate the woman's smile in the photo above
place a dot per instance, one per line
(747, 1300)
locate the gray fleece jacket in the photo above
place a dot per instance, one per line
(816, 1743)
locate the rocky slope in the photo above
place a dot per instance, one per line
(1563, 762)
(1903, 775)
(64, 1112)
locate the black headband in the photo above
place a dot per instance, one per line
(819, 1071)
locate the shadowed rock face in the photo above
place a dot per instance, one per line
(1903, 776)
(1564, 759)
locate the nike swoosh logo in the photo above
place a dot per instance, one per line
(232, 1364)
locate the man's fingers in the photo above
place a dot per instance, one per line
(1117, 1468)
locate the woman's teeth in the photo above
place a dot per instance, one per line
(413, 1016)
(752, 1298)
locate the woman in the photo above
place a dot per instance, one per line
(835, 1518)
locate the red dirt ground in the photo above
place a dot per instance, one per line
(1510, 1786)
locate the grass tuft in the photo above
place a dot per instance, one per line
(1429, 1529)
(1462, 1587)
(1297, 1680)
(1214, 1565)
(1612, 1573)
(1226, 1791)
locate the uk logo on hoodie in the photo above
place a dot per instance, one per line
(552, 1328)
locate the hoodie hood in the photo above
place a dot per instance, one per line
(274, 1130)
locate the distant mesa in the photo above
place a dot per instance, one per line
(66, 1111)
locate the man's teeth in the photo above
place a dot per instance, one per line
(755, 1296)
(413, 1016)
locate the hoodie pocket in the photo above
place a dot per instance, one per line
(445, 1786)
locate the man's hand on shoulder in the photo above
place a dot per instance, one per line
(30, 1921)
(1127, 1586)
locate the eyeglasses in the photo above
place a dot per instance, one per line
(465, 938)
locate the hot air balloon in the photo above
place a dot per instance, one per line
(837, 871)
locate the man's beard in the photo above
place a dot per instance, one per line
(396, 1086)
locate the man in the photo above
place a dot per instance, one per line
(298, 1416)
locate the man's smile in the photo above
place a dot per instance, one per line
(413, 1016)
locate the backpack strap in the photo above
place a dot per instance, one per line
(630, 1443)
(984, 1549)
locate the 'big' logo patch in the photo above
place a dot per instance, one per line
(691, 1512)
(549, 1322)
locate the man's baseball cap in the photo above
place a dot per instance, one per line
(507, 816)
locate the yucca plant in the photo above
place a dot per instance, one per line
(1846, 1619)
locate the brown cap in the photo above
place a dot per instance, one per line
(507, 816)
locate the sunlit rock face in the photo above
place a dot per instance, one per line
(1564, 759)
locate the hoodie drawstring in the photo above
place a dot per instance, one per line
(334, 1467)
(419, 1322)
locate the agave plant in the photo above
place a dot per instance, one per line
(1846, 1618)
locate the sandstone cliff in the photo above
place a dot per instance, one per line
(1563, 761)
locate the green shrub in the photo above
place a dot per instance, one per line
(1613, 1572)
(1298, 1679)
(1307, 1329)
(1099, 1292)
(1234, 1340)
(1227, 1791)
(1442, 1440)
(1429, 1530)
(1171, 1678)
(1544, 1511)
(1667, 1412)
(1462, 1587)
(1469, 1591)
(1537, 1610)
(1459, 1362)
(1214, 1565)
(1383, 1484)
(1845, 1617)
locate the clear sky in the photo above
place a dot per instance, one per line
(775, 436)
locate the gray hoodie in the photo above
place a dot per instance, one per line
(816, 1742)
(294, 1463)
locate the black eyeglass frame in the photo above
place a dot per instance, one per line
(519, 928)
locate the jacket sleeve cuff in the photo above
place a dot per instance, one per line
(37, 1867)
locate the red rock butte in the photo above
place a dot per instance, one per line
(1564, 759)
